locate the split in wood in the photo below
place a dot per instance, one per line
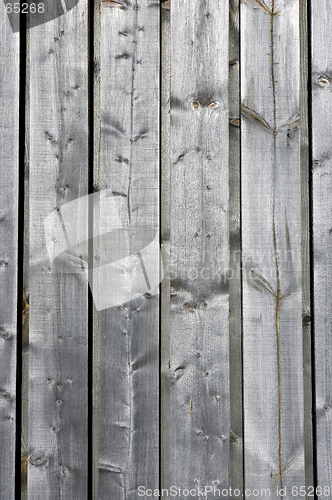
(120, 4)
(257, 119)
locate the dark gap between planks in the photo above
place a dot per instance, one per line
(312, 302)
(20, 264)
(91, 67)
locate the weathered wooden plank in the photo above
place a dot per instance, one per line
(271, 241)
(9, 147)
(321, 15)
(127, 163)
(199, 334)
(26, 293)
(235, 283)
(58, 154)
(96, 346)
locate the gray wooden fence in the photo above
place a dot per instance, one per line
(210, 123)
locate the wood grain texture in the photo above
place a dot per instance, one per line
(9, 139)
(227, 184)
(322, 211)
(271, 239)
(58, 158)
(235, 283)
(96, 136)
(127, 162)
(199, 334)
(26, 291)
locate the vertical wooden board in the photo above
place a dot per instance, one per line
(58, 151)
(271, 239)
(9, 139)
(26, 292)
(322, 212)
(306, 257)
(127, 163)
(26, 295)
(199, 387)
(235, 282)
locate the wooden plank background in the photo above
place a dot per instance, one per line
(9, 205)
(58, 319)
(271, 239)
(198, 325)
(127, 162)
(322, 272)
(209, 123)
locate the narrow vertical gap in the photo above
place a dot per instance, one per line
(90, 478)
(306, 244)
(160, 235)
(241, 262)
(20, 266)
(312, 302)
(165, 193)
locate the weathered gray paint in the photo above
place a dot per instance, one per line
(201, 411)
(199, 334)
(271, 242)
(235, 288)
(9, 139)
(26, 308)
(96, 401)
(58, 160)
(127, 161)
(322, 209)
(166, 377)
